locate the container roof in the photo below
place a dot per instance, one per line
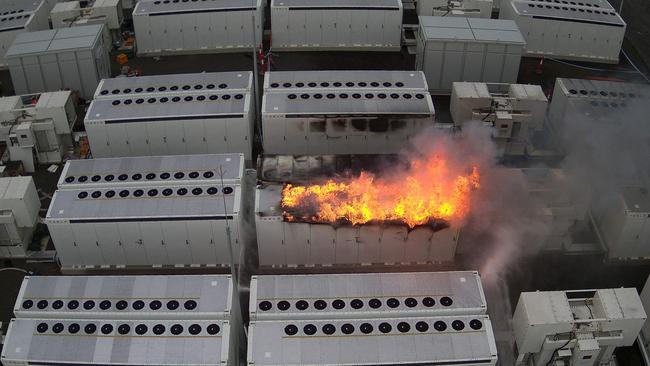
(471, 30)
(55, 40)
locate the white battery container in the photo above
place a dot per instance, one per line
(366, 295)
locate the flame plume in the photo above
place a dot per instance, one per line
(429, 190)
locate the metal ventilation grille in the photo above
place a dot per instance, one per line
(164, 89)
(128, 328)
(357, 304)
(153, 192)
(338, 84)
(136, 177)
(306, 96)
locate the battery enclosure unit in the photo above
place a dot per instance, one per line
(283, 243)
(73, 58)
(172, 170)
(459, 340)
(318, 25)
(344, 112)
(156, 225)
(590, 30)
(366, 295)
(177, 114)
(164, 27)
(126, 297)
(118, 342)
(453, 49)
(19, 17)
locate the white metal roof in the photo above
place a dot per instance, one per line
(348, 79)
(55, 40)
(596, 12)
(337, 4)
(16, 15)
(471, 30)
(164, 7)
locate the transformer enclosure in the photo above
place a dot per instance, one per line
(177, 114)
(19, 208)
(69, 58)
(466, 49)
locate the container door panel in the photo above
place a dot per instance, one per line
(316, 137)
(234, 22)
(174, 32)
(195, 137)
(215, 132)
(136, 134)
(493, 67)
(313, 28)
(156, 133)
(433, 68)
(510, 68)
(416, 247)
(369, 244)
(190, 34)
(175, 137)
(86, 239)
(201, 243)
(323, 247)
(343, 27)
(99, 144)
(65, 244)
(328, 33)
(280, 24)
(143, 32)
(51, 72)
(159, 32)
(118, 139)
(133, 244)
(247, 29)
(393, 239)
(295, 134)
(358, 31)
(176, 242)
(443, 245)
(71, 72)
(270, 242)
(274, 135)
(452, 69)
(374, 28)
(110, 244)
(203, 30)
(473, 66)
(218, 33)
(296, 242)
(347, 248)
(35, 82)
(237, 134)
(393, 28)
(297, 27)
(153, 242)
(221, 244)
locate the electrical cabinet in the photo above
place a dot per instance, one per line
(456, 8)
(68, 58)
(164, 27)
(366, 295)
(453, 49)
(153, 225)
(331, 112)
(624, 226)
(19, 17)
(19, 209)
(283, 243)
(590, 30)
(182, 114)
(307, 25)
(459, 340)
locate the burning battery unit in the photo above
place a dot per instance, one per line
(286, 243)
(202, 113)
(163, 218)
(164, 27)
(458, 340)
(366, 295)
(344, 112)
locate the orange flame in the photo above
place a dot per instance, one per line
(429, 190)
